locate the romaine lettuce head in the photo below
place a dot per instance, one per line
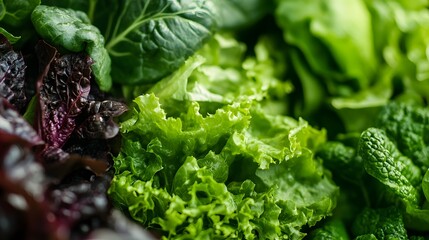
(357, 55)
(203, 157)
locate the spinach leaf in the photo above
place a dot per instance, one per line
(72, 30)
(15, 19)
(151, 39)
(99, 12)
(145, 39)
(16, 12)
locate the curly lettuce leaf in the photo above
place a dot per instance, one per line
(62, 90)
(213, 176)
(220, 73)
(201, 164)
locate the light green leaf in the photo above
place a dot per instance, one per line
(11, 38)
(236, 14)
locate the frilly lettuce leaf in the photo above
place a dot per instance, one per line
(204, 157)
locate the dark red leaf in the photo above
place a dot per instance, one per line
(14, 127)
(100, 123)
(63, 88)
(12, 75)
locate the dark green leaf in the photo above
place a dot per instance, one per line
(17, 12)
(150, 39)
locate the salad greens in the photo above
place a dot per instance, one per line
(73, 31)
(362, 53)
(145, 40)
(235, 171)
(214, 119)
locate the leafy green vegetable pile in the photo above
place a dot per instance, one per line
(247, 119)
(201, 160)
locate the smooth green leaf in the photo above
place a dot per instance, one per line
(16, 13)
(11, 38)
(236, 14)
(150, 39)
(334, 28)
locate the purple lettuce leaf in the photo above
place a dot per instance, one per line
(54, 176)
(63, 88)
(12, 75)
(14, 128)
(22, 178)
(100, 123)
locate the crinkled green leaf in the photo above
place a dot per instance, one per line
(383, 223)
(407, 125)
(217, 169)
(385, 162)
(333, 229)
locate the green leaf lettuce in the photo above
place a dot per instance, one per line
(211, 160)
